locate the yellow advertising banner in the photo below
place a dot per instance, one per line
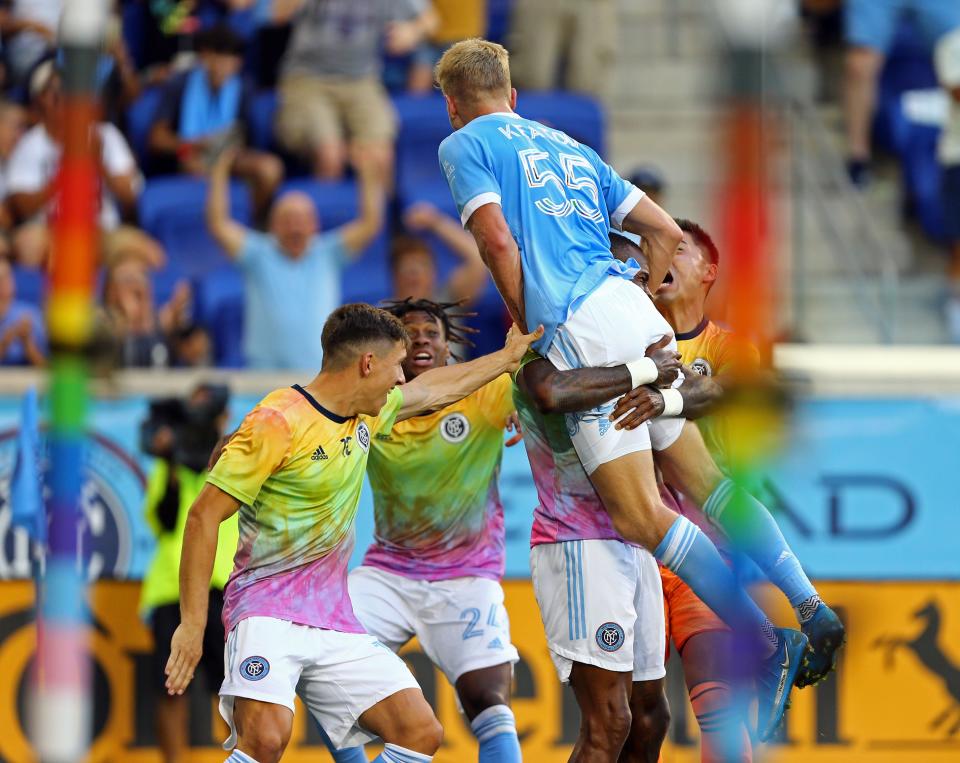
(896, 696)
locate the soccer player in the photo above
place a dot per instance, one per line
(540, 206)
(294, 470)
(434, 568)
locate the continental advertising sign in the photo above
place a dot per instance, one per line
(896, 696)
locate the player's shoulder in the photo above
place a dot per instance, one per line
(286, 403)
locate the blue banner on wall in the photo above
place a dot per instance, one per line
(867, 489)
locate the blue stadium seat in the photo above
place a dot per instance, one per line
(139, 120)
(336, 200)
(219, 308)
(580, 116)
(172, 211)
(498, 19)
(260, 120)
(922, 177)
(133, 21)
(30, 284)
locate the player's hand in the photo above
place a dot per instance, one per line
(517, 345)
(638, 405)
(513, 425)
(666, 360)
(186, 646)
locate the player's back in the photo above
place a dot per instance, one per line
(558, 198)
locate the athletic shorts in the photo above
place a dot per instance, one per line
(614, 325)
(601, 604)
(874, 23)
(684, 613)
(461, 623)
(339, 676)
(164, 621)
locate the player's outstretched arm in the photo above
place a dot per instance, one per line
(227, 232)
(440, 387)
(663, 235)
(501, 255)
(212, 506)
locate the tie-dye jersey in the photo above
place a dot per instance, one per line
(570, 508)
(297, 470)
(435, 494)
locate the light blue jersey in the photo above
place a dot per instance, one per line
(559, 199)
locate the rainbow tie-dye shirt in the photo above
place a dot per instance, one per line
(297, 469)
(435, 493)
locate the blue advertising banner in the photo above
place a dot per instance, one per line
(866, 490)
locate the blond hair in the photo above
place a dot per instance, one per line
(474, 68)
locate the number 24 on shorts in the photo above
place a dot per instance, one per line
(473, 615)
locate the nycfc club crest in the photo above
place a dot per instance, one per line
(363, 436)
(610, 637)
(454, 428)
(702, 367)
(254, 668)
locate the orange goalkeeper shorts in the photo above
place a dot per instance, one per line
(684, 614)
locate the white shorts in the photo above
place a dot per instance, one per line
(339, 676)
(461, 623)
(613, 326)
(602, 604)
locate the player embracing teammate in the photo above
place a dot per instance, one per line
(541, 206)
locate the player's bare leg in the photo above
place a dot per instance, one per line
(485, 697)
(650, 718)
(263, 729)
(172, 720)
(706, 668)
(604, 700)
(405, 720)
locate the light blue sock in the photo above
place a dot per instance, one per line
(496, 731)
(346, 755)
(239, 757)
(751, 528)
(394, 753)
(691, 555)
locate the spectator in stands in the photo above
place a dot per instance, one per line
(181, 436)
(119, 81)
(947, 59)
(869, 27)
(144, 337)
(413, 266)
(206, 108)
(292, 272)
(29, 29)
(457, 20)
(332, 105)
(13, 122)
(649, 179)
(23, 339)
(33, 166)
(544, 33)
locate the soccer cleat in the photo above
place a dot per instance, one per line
(826, 635)
(775, 680)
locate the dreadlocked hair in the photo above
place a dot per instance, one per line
(447, 313)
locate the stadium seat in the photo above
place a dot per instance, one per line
(260, 120)
(172, 210)
(31, 285)
(498, 19)
(922, 178)
(139, 120)
(219, 308)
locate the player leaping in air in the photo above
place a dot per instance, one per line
(294, 470)
(540, 206)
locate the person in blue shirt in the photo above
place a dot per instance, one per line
(291, 272)
(540, 206)
(23, 340)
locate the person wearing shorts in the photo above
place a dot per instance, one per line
(331, 101)
(294, 470)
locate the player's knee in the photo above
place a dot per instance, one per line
(607, 725)
(419, 731)
(648, 730)
(265, 744)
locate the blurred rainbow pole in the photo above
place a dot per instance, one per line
(61, 705)
(746, 208)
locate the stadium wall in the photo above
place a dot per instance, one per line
(866, 493)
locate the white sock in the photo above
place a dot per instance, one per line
(238, 756)
(497, 719)
(394, 753)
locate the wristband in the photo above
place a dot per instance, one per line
(672, 402)
(643, 371)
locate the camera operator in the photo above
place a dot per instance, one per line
(181, 434)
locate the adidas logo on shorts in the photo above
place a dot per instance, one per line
(319, 454)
